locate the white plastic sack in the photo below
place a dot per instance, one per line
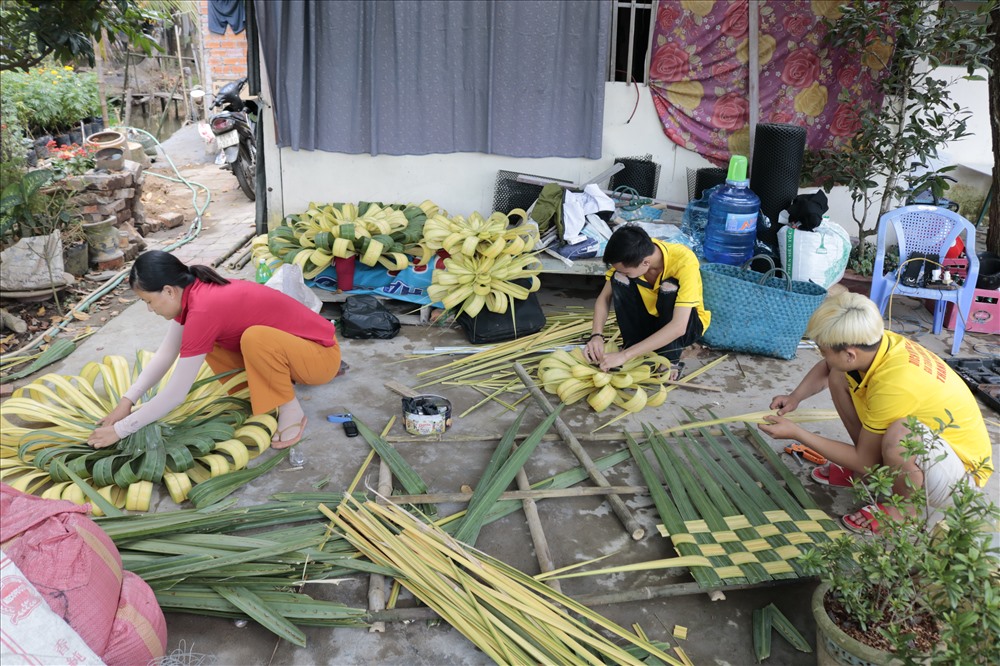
(33, 263)
(288, 280)
(32, 633)
(818, 256)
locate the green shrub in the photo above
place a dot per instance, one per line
(50, 99)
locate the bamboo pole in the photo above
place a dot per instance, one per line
(180, 67)
(523, 494)
(376, 582)
(626, 596)
(234, 248)
(636, 531)
(541, 544)
(102, 93)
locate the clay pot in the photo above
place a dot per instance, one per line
(834, 647)
(102, 239)
(110, 159)
(857, 284)
(107, 139)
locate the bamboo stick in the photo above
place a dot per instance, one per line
(180, 70)
(376, 582)
(523, 494)
(541, 544)
(636, 531)
(625, 596)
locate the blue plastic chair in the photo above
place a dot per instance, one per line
(926, 229)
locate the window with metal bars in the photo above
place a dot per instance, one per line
(631, 33)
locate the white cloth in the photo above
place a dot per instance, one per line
(576, 207)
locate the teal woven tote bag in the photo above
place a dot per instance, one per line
(757, 313)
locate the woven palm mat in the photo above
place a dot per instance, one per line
(725, 510)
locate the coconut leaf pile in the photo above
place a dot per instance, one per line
(45, 425)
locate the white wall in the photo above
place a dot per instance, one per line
(463, 182)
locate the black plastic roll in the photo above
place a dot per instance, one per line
(707, 178)
(777, 165)
(642, 174)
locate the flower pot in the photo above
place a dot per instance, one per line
(110, 159)
(42, 146)
(102, 239)
(836, 648)
(345, 272)
(31, 158)
(107, 139)
(62, 139)
(76, 259)
(858, 284)
(76, 136)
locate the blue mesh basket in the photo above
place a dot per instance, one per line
(757, 313)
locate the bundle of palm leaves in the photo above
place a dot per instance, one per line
(45, 425)
(374, 233)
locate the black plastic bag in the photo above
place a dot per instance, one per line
(522, 318)
(364, 318)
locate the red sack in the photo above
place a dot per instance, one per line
(77, 569)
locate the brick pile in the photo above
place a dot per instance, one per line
(101, 194)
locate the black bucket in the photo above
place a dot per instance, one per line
(989, 271)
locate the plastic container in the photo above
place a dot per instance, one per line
(426, 414)
(264, 272)
(731, 230)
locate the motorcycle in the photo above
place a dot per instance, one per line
(234, 129)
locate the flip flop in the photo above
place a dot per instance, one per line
(677, 371)
(280, 443)
(869, 514)
(832, 474)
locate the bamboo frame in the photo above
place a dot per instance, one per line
(635, 530)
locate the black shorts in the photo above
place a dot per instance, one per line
(635, 322)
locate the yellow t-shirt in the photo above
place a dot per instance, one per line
(680, 264)
(907, 380)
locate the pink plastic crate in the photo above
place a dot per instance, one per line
(984, 314)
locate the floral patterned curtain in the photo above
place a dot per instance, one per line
(699, 73)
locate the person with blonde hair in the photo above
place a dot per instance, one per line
(229, 324)
(877, 380)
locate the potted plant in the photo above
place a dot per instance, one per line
(912, 592)
(33, 213)
(899, 130)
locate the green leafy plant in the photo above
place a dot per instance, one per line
(50, 99)
(73, 160)
(911, 578)
(862, 258)
(33, 30)
(896, 142)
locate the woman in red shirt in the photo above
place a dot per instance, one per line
(229, 324)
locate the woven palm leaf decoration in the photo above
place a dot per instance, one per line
(45, 425)
(731, 521)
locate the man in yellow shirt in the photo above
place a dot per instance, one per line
(878, 379)
(655, 288)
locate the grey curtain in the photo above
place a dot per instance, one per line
(523, 78)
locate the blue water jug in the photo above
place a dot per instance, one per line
(732, 218)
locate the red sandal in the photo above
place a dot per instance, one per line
(868, 512)
(832, 474)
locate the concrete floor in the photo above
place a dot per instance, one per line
(577, 529)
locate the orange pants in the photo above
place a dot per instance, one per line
(274, 360)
